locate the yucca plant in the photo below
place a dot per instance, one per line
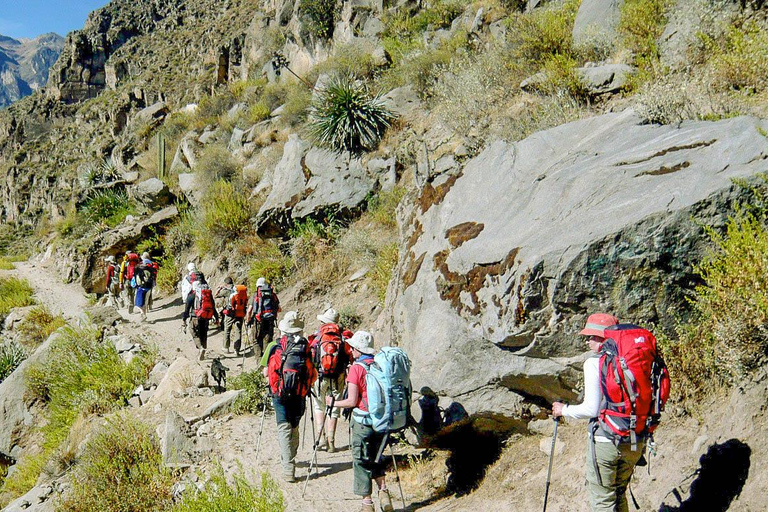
(345, 116)
(11, 356)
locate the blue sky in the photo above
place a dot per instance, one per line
(30, 18)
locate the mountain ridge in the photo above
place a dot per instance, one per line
(24, 64)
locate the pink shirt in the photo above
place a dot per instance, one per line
(356, 376)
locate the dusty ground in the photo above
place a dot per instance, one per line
(515, 482)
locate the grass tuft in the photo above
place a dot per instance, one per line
(221, 495)
(11, 356)
(38, 325)
(14, 293)
(255, 396)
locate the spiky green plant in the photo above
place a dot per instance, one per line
(345, 116)
(11, 356)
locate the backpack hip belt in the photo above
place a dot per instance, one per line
(362, 417)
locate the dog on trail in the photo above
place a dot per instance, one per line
(219, 373)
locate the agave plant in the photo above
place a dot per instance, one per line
(94, 174)
(11, 356)
(345, 116)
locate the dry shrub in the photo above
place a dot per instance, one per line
(676, 98)
(426, 475)
(38, 325)
(739, 59)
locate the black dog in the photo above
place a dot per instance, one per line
(219, 373)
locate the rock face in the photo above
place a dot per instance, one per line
(503, 260)
(596, 20)
(24, 65)
(311, 182)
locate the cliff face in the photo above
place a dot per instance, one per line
(24, 65)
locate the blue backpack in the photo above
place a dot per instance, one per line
(388, 382)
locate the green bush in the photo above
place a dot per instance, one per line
(561, 77)
(538, 35)
(349, 318)
(108, 206)
(346, 117)
(268, 262)
(641, 23)
(727, 338)
(739, 59)
(11, 356)
(255, 395)
(103, 172)
(382, 271)
(403, 24)
(168, 274)
(382, 207)
(38, 325)
(216, 163)
(319, 17)
(220, 495)
(14, 293)
(122, 470)
(225, 216)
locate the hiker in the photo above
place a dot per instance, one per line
(204, 308)
(234, 313)
(261, 315)
(612, 453)
(331, 356)
(154, 267)
(144, 280)
(365, 440)
(113, 282)
(130, 260)
(224, 292)
(187, 297)
(290, 374)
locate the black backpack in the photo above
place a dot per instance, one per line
(454, 414)
(267, 309)
(144, 275)
(294, 377)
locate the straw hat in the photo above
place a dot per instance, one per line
(362, 341)
(291, 323)
(331, 316)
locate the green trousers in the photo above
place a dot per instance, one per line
(616, 465)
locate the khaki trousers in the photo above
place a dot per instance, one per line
(616, 465)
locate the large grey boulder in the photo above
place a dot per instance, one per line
(191, 187)
(604, 79)
(152, 193)
(596, 20)
(311, 182)
(503, 260)
(177, 447)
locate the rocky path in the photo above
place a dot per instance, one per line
(234, 442)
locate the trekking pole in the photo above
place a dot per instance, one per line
(551, 458)
(397, 474)
(313, 460)
(261, 429)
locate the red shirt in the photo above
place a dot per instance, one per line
(356, 375)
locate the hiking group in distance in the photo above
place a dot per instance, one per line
(626, 383)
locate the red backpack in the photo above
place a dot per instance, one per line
(329, 351)
(133, 260)
(204, 304)
(239, 301)
(634, 382)
(290, 377)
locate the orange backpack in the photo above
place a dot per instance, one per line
(239, 301)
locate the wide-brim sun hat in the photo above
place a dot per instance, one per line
(330, 316)
(291, 323)
(145, 255)
(261, 281)
(191, 266)
(362, 341)
(597, 323)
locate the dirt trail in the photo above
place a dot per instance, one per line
(236, 440)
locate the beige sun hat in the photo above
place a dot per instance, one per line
(191, 267)
(331, 316)
(291, 323)
(362, 341)
(261, 282)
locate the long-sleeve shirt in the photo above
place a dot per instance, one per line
(589, 408)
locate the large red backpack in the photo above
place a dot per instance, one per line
(291, 379)
(204, 304)
(239, 301)
(634, 382)
(329, 351)
(133, 260)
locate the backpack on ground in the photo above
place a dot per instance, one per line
(238, 301)
(133, 260)
(634, 381)
(454, 414)
(204, 304)
(267, 305)
(145, 275)
(388, 383)
(328, 349)
(293, 373)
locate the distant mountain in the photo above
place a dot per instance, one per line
(24, 65)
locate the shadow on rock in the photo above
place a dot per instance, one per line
(719, 480)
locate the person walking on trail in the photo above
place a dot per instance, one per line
(113, 282)
(222, 295)
(144, 281)
(204, 308)
(188, 296)
(615, 461)
(290, 374)
(127, 268)
(365, 440)
(154, 267)
(261, 315)
(233, 313)
(331, 356)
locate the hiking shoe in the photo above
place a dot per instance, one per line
(291, 479)
(331, 446)
(367, 507)
(385, 501)
(323, 445)
(202, 355)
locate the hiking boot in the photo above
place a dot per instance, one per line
(331, 446)
(184, 327)
(323, 445)
(202, 355)
(290, 478)
(367, 507)
(385, 501)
